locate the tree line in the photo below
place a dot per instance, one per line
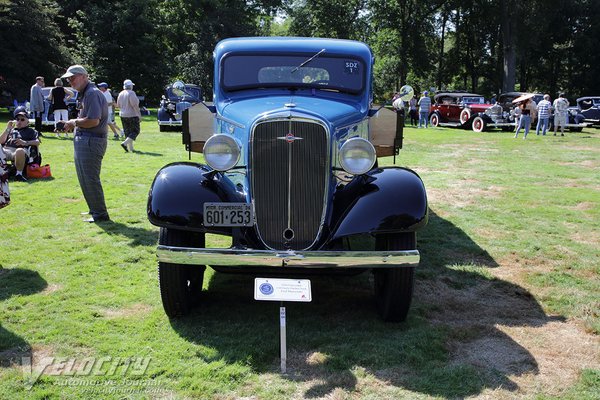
(483, 46)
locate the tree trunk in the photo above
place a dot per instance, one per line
(508, 36)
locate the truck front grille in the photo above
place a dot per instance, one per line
(289, 170)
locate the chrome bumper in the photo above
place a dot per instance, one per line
(170, 123)
(301, 259)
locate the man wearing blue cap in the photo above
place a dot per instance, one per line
(89, 140)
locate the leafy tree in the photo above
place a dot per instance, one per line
(117, 41)
(31, 44)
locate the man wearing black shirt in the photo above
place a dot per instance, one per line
(16, 139)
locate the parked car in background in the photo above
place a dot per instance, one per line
(502, 114)
(589, 107)
(47, 116)
(456, 109)
(291, 175)
(174, 102)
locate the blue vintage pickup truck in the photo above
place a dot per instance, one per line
(290, 145)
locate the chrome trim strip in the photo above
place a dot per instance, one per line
(229, 121)
(302, 259)
(170, 123)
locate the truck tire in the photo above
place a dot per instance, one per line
(394, 286)
(180, 285)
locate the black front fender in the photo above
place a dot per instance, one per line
(179, 191)
(386, 200)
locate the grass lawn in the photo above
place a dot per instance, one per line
(506, 301)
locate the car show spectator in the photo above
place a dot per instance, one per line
(17, 140)
(129, 106)
(424, 106)
(543, 109)
(89, 141)
(561, 106)
(58, 98)
(528, 110)
(412, 111)
(36, 102)
(117, 132)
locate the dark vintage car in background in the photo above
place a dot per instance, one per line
(589, 108)
(502, 114)
(290, 175)
(456, 109)
(173, 103)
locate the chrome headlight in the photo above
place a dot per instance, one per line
(357, 156)
(221, 152)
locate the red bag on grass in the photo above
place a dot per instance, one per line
(38, 171)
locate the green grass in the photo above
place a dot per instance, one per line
(75, 290)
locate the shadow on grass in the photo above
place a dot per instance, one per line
(16, 282)
(138, 236)
(450, 346)
(147, 153)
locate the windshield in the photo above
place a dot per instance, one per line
(473, 100)
(192, 94)
(343, 74)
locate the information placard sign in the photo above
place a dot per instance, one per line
(275, 289)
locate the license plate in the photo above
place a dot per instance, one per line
(227, 214)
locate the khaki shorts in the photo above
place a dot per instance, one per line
(9, 152)
(560, 119)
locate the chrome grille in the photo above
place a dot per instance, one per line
(289, 178)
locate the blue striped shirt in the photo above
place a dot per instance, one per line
(544, 109)
(424, 104)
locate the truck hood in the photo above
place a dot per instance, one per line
(337, 113)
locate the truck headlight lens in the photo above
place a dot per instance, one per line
(357, 156)
(221, 152)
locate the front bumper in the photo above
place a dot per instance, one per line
(301, 259)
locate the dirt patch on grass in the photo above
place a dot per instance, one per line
(138, 309)
(499, 328)
(54, 287)
(463, 193)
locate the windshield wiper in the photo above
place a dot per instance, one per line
(307, 61)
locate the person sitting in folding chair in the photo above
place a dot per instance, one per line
(20, 143)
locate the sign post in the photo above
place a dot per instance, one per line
(271, 289)
(282, 339)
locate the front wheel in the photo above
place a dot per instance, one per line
(434, 120)
(394, 286)
(180, 285)
(478, 124)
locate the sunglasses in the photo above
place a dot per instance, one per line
(22, 119)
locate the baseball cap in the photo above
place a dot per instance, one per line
(20, 111)
(127, 82)
(74, 70)
(103, 84)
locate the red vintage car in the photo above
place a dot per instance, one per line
(456, 109)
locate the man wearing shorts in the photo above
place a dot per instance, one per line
(561, 105)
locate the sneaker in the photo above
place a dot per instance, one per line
(124, 146)
(116, 136)
(562, 134)
(97, 219)
(20, 178)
